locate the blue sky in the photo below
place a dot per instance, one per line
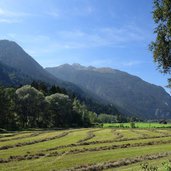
(102, 33)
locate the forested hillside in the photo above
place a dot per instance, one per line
(130, 94)
(28, 107)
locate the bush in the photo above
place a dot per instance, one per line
(97, 125)
(132, 124)
(3, 130)
(121, 125)
(147, 167)
(167, 166)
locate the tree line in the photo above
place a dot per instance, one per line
(40, 106)
(28, 107)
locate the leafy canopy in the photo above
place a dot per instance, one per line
(161, 47)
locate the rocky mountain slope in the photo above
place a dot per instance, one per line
(129, 93)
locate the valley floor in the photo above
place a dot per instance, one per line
(84, 149)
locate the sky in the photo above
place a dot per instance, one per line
(100, 33)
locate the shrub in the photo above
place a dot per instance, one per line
(146, 167)
(132, 124)
(167, 166)
(3, 130)
(121, 125)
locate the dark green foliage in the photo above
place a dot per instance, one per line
(167, 165)
(60, 107)
(147, 167)
(8, 117)
(89, 103)
(104, 118)
(83, 113)
(30, 103)
(41, 86)
(99, 107)
(161, 47)
(132, 124)
(27, 107)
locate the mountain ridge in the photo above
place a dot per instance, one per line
(19, 68)
(99, 69)
(118, 88)
(14, 56)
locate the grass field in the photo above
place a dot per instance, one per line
(88, 149)
(138, 125)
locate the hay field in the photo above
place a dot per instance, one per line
(84, 149)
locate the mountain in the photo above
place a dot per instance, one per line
(19, 68)
(14, 59)
(128, 93)
(10, 76)
(12, 55)
(107, 86)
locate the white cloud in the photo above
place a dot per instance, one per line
(132, 63)
(123, 34)
(10, 17)
(39, 45)
(102, 37)
(7, 13)
(9, 21)
(43, 45)
(53, 13)
(83, 11)
(74, 11)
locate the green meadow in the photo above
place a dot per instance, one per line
(138, 125)
(117, 149)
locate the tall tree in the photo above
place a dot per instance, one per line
(30, 104)
(161, 47)
(60, 109)
(8, 117)
(3, 107)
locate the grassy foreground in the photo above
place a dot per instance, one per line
(137, 125)
(84, 149)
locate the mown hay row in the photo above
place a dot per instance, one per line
(22, 137)
(34, 142)
(160, 132)
(90, 135)
(141, 135)
(13, 134)
(100, 142)
(119, 136)
(77, 151)
(119, 163)
(121, 140)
